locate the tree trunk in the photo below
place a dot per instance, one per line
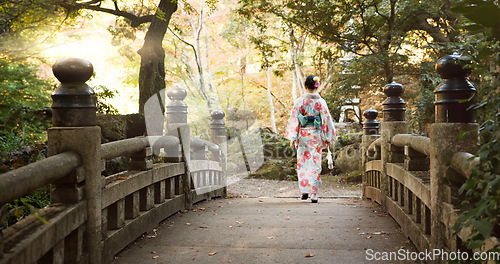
(293, 54)
(271, 104)
(152, 71)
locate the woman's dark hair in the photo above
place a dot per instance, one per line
(310, 82)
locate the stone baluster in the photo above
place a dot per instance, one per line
(452, 117)
(218, 135)
(74, 117)
(394, 105)
(393, 124)
(415, 161)
(451, 102)
(176, 116)
(394, 120)
(176, 109)
(371, 133)
(371, 125)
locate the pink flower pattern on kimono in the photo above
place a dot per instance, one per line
(310, 141)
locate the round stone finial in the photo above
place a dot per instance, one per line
(370, 114)
(454, 66)
(394, 105)
(176, 93)
(73, 70)
(454, 95)
(217, 115)
(393, 89)
(371, 125)
(176, 109)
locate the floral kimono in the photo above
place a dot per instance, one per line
(311, 127)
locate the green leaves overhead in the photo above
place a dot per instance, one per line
(485, 15)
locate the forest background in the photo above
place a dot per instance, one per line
(250, 58)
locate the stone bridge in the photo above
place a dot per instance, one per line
(91, 218)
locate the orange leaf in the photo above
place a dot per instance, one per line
(121, 178)
(212, 253)
(309, 256)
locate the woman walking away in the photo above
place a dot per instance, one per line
(309, 129)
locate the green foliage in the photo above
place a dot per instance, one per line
(347, 138)
(26, 27)
(379, 31)
(22, 95)
(482, 189)
(336, 97)
(103, 93)
(29, 204)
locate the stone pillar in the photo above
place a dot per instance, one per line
(74, 102)
(74, 111)
(218, 135)
(452, 118)
(176, 115)
(371, 125)
(393, 124)
(451, 102)
(371, 133)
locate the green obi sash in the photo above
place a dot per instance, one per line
(309, 121)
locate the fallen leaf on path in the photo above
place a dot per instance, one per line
(212, 253)
(121, 178)
(155, 257)
(368, 237)
(188, 223)
(309, 256)
(271, 237)
(287, 218)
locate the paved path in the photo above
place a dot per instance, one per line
(269, 230)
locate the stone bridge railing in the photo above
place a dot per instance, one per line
(414, 178)
(92, 217)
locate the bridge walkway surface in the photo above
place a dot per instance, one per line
(276, 228)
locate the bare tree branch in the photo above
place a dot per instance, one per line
(135, 20)
(274, 96)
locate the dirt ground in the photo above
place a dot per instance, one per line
(331, 188)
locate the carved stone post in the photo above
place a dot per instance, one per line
(371, 133)
(176, 115)
(452, 118)
(393, 124)
(371, 125)
(218, 135)
(451, 101)
(74, 111)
